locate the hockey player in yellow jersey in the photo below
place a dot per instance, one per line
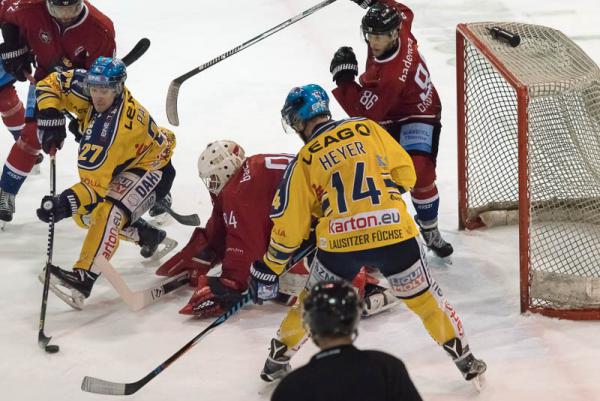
(350, 176)
(124, 166)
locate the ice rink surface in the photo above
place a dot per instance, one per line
(529, 357)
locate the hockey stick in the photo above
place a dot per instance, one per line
(43, 340)
(140, 299)
(99, 386)
(186, 220)
(173, 92)
(138, 51)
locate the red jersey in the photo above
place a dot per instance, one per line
(92, 36)
(239, 228)
(396, 88)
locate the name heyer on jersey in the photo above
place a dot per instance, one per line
(333, 157)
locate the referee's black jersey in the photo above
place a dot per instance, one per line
(347, 374)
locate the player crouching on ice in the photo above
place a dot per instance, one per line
(350, 175)
(124, 167)
(237, 233)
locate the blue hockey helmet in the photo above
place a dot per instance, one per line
(302, 104)
(107, 72)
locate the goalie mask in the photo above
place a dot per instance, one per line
(219, 161)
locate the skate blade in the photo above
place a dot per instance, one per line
(73, 298)
(479, 382)
(164, 248)
(442, 261)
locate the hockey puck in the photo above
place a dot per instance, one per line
(52, 349)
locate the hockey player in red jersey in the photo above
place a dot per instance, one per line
(396, 91)
(58, 35)
(237, 232)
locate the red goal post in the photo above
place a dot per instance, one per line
(529, 153)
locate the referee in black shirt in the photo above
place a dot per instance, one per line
(341, 372)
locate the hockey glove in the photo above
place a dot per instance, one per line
(213, 297)
(17, 59)
(344, 66)
(62, 206)
(51, 129)
(74, 129)
(263, 283)
(364, 3)
(196, 256)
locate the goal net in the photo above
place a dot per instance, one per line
(529, 153)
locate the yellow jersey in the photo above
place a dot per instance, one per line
(350, 177)
(122, 138)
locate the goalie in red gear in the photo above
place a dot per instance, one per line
(238, 230)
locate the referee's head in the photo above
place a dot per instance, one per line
(331, 312)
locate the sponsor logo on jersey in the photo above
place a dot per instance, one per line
(121, 185)
(45, 37)
(364, 221)
(408, 60)
(112, 236)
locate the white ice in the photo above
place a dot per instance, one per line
(528, 356)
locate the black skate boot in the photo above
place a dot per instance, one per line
(277, 364)
(434, 241)
(7, 206)
(79, 282)
(378, 299)
(161, 206)
(149, 237)
(471, 368)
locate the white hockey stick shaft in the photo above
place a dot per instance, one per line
(137, 300)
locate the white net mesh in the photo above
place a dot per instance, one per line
(563, 152)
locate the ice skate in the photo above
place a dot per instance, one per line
(7, 207)
(150, 239)
(473, 370)
(77, 283)
(434, 241)
(277, 364)
(378, 299)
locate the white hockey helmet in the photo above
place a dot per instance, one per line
(218, 162)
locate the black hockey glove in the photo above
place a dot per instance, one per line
(263, 283)
(17, 59)
(62, 206)
(344, 66)
(74, 129)
(364, 3)
(51, 129)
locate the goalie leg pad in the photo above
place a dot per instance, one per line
(196, 256)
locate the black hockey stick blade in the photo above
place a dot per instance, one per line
(173, 91)
(138, 51)
(186, 220)
(99, 386)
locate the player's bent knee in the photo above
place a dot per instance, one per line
(134, 192)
